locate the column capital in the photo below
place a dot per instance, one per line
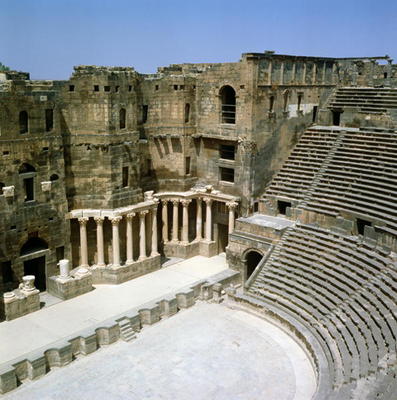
(186, 202)
(200, 199)
(175, 201)
(231, 205)
(83, 220)
(207, 200)
(164, 202)
(99, 219)
(143, 213)
(116, 220)
(130, 215)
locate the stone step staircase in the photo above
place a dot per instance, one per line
(126, 331)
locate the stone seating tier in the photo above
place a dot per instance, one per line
(344, 289)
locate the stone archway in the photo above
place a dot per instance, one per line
(252, 259)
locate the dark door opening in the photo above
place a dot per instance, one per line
(314, 114)
(223, 237)
(36, 267)
(336, 117)
(253, 258)
(361, 224)
(282, 206)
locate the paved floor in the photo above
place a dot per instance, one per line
(207, 352)
(52, 323)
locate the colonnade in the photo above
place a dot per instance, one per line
(185, 219)
(115, 221)
(184, 239)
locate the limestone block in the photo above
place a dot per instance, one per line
(8, 191)
(8, 379)
(59, 356)
(217, 290)
(36, 367)
(149, 315)
(186, 299)
(206, 292)
(46, 186)
(69, 287)
(88, 344)
(108, 334)
(168, 307)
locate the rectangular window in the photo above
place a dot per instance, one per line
(130, 88)
(125, 176)
(157, 87)
(60, 253)
(49, 120)
(187, 166)
(71, 88)
(227, 152)
(227, 174)
(96, 88)
(145, 109)
(106, 88)
(28, 184)
(187, 112)
(116, 89)
(175, 87)
(6, 272)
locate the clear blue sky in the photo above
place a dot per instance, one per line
(47, 38)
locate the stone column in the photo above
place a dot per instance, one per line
(232, 206)
(208, 219)
(99, 241)
(164, 214)
(175, 220)
(83, 241)
(185, 221)
(142, 234)
(154, 233)
(282, 73)
(304, 73)
(130, 240)
(116, 240)
(199, 220)
(314, 74)
(324, 70)
(293, 72)
(269, 73)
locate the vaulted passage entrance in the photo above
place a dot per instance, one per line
(252, 258)
(35, 265)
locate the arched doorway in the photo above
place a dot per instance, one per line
(228, 105)
(35, 265)
(252, 260)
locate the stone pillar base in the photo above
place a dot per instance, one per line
(115, 275)
(73, 286)
(208, 249)
(182, 250)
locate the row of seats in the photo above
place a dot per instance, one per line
(366, 99)
(340, 287)
(360, 178)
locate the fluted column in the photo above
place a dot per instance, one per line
(175, 220)
(185, 221)
(130, 239)
(83, 241)
(154, 233)
(99, 241)
(142, 234)
(232, 206)
(164, 214)
(199, 220)
(208, 219)
(116, 240)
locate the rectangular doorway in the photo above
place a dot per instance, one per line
(36, 267)
(223, 237)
